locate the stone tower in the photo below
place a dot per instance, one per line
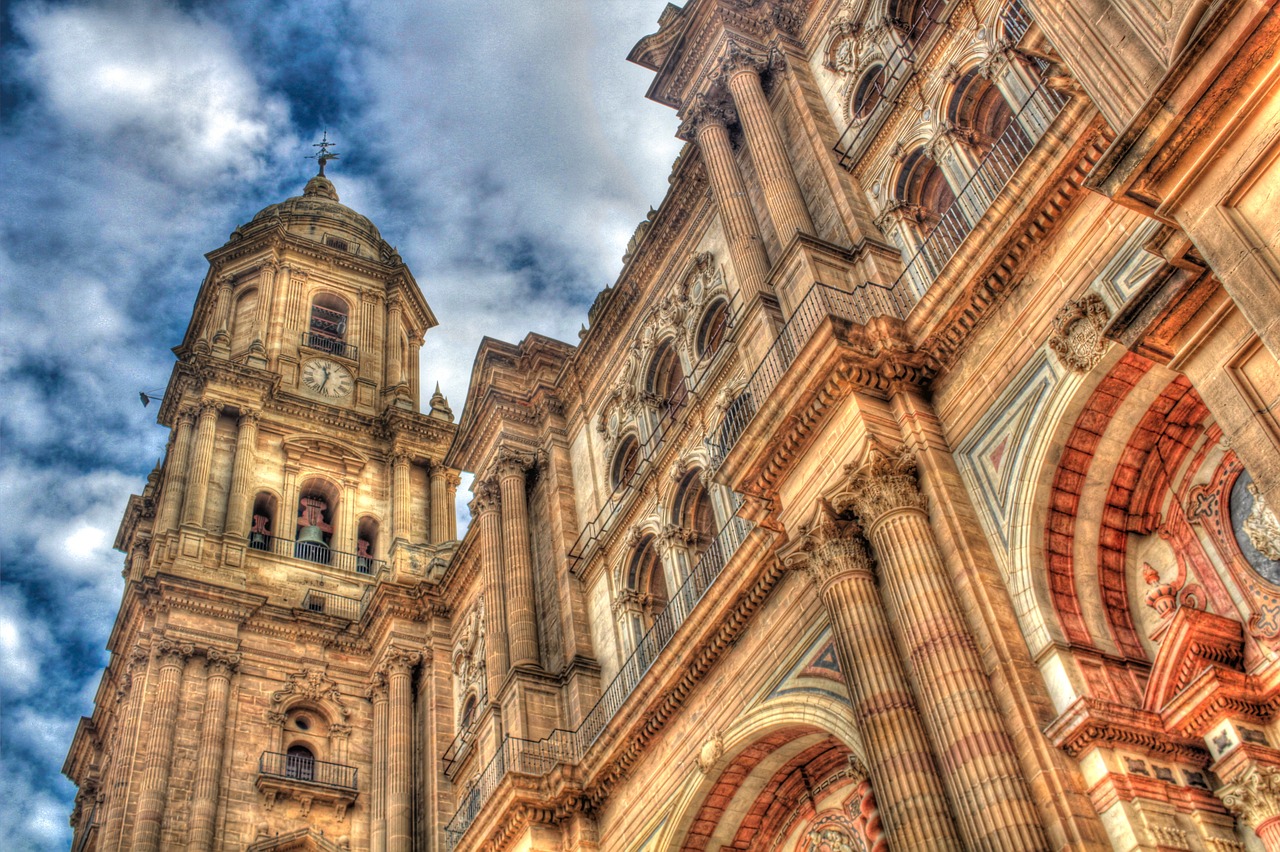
(258, 690)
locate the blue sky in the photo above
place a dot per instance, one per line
(505, 147)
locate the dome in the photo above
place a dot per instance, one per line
(317, 215)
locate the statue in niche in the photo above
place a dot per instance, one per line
(1262, 527)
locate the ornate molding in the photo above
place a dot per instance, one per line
(399, 661)
(311, 684)
(487, 497)
(885, 483)
(377, 689)
(1077, 332)
(171, 652)
(220, 663)
(1254, 795)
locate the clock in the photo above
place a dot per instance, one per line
(327, 377)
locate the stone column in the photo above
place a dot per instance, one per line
(222, 324)
(125, 740)
(347, 533)
(201, 465)
(239, 502)
(440, 507)
(172, 659)
(377, 695)
(709, 124)
(266, 290)
(901, 766)
(978, 760)
(1254, 796)
(521, 610)
(411, 369)
(395, 326)
(278, 326)
(175, 484)
(401, 523)
(452, 480)
(485, 509)
(399, 667)
(782, 194)
(220, 665)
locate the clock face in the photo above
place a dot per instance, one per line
(326, 377)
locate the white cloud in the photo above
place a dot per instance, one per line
(167, 86)
(24, 646)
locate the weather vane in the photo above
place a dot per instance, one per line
(324, 155)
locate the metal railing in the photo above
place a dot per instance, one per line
(539, 757)
(598, 526)
(297, 767)
(332, 345)
(320, 554)
(90, 828)
(338, 606)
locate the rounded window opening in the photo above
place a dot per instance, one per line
(978, 107)
(922, 184)
(917, 18)
(713, 328)
(666, 378)
(468, 713)
(645, 578)
(316, 507)
(869, 93)
(302, 723)
(328, 328)
(694, 512)
(626, 461)
(263, 522)
(366, 545)
(300, 763)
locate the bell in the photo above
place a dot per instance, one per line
(312, 535)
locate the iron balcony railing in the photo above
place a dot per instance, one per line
(332, 345)
(530, 757)
(338, 606)
(297, 767)
(321, 554)
(598, 526)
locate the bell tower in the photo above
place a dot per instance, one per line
(276, 563)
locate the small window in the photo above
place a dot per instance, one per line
(626, 461)
(329, 317)
(869, 93)
(468, 713)
(337, 242)
(712, 329)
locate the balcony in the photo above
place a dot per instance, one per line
(335, 606)
(306, 780)
(320, 554)
(528, 757)
(331, 345)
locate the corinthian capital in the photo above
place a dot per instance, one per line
(511, 461)
(400, 661)
(706, 111)
(886, 482)
(738, 59)
(486, 498)
(831, 548)
(220, 663)
(174, 653)
(377, 688)
(1254, 795)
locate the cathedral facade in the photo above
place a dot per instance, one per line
(911, 488)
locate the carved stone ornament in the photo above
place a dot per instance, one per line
(1077, 332)
(1262, 526)
(486, 498)
(468, 655)
(311, 684)
(1254, 795)
(169, 651)
(710, 753)
(221, 663)
(831, 548)
(885, 483)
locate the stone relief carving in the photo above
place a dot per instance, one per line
(1077, 333)
(1262, 526)
(468, 656)
(308, 683)
(710, 752)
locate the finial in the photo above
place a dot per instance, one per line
(324, 155)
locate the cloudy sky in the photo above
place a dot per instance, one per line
(504, 146)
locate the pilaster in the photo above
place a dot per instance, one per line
(172, 659)
(220, 666)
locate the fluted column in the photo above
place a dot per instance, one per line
(266, 291)
(976, 755)
(778, 182)
(485, 509)
(910, 794)
(238, 502)
(399, 667)
(452, 480)
(172, 659)
(279, 323)
(222, 323)
(709, 124)
(395, 326)
(521, 610)
(377, 695)
(128, 698)
(201, 465)
(220, 665)
(175, 484)
(401, 523)
(440, 507)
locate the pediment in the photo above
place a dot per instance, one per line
(302, 840)
(318, 450)
(1196, 640)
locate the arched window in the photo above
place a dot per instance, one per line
(644, 577)
(922, 184)
(328, 328)
(868, 94)
(666, 377)
(712, 329)
(263, 525)
(693, 512)
(242, 322)
(366, 545)
(978, 107)
(317, 503)
(468, 713)
(626, 460)
(300, 763)
(917, 18)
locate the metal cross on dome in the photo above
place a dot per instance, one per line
(324, 155)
